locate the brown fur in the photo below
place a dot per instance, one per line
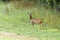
(35, 20)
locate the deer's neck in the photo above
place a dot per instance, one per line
(30, 16)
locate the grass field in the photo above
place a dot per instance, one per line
(17, 21)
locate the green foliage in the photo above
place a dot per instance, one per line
(45, 3)
(18, 22)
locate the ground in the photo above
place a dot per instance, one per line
(13, 36)
(16, 22)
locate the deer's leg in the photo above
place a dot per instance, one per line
(32, 23)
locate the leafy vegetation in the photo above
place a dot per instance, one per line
(15, 18)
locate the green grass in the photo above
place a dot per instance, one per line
(17, 21)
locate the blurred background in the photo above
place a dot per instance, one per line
(14, 17)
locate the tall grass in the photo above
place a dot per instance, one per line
(17, 21)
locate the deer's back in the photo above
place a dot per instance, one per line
(37, 21)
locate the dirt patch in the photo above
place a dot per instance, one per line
(14, 36)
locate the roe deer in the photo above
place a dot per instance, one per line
(35, 20)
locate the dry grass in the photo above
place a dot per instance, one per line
(14, 36)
